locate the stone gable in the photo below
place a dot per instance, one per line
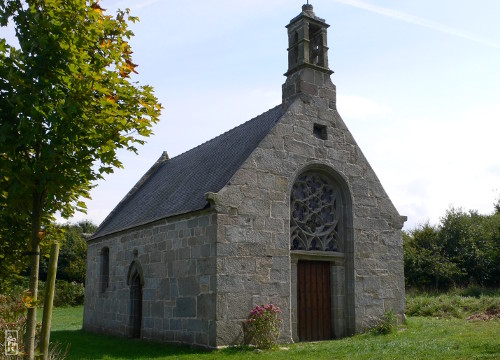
(254, 221)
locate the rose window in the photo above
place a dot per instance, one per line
(314, 214)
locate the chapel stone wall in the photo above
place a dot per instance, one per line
(253, 250)
(177, 260)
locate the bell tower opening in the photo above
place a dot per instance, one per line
(308, 72)
(307, 45)
(316, 45)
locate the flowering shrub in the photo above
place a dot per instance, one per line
(263, 325)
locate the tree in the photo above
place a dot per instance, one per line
(12, 258)
(425, 258)
(463, 250)
(471, 243)
(73, 254)
(67, 104)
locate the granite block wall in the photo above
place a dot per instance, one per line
(178, 262)
(253, 251)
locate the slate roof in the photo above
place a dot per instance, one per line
(177, 186)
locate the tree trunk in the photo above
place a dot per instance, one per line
(29, 346)
(29, 341)
(48, 301)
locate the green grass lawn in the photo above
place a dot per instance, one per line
(420, 338)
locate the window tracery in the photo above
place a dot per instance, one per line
(315, 214)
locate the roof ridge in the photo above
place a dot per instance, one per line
(224, 133)
(140, 205)
(163, 158)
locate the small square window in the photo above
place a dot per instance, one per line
(320, 131)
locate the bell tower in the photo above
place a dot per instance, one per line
(308, 72)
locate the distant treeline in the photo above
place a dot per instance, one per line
(462, 250)
(72, 262)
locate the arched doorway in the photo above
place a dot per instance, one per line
(321, 240)
(136, 281)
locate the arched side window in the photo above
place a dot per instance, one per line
(104, 277)
(135, 278)
(315, 214)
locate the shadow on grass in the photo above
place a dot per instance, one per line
(85, 345)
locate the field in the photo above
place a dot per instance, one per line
(420, 338)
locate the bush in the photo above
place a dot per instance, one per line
(385, 324)
(67, 293)
(476, 291)
(13, 317)
(462, 251)
(13, 311)
(263, 326)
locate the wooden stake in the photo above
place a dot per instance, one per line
(49, 300)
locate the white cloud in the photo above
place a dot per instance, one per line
(429, 164)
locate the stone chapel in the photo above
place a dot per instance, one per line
(283, 209)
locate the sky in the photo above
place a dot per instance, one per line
(418, 85)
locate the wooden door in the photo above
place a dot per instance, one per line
(313, 300)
